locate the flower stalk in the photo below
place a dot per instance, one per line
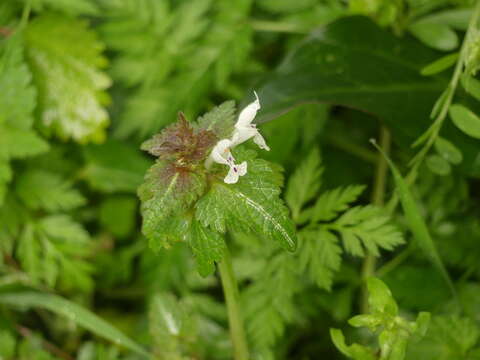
(235, 320)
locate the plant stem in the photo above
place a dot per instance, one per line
(25, 14)
(378, 199)
(433, 131)
(230, 290)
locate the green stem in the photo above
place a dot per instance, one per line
(433, 131)
(378, 199)
(25, 14)
(230, 290)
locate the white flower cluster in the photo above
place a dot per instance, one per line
(244, 130)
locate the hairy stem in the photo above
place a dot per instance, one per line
(230, 290)
(378, 199)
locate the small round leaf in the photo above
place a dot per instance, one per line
(465, 120)
(438, 165)
(448, 151)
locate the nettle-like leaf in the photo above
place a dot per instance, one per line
(182, 200)
(252, 204)
(17, 102)
(65, 58)
(394, 331)
(180, 142)
(168, 191)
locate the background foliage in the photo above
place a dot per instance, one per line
(83, 83)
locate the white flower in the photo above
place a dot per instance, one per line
(221, 154)
(245, 130)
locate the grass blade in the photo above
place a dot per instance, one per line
(74, 312)
(415, 220)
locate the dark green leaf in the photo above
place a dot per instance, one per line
(350, 62)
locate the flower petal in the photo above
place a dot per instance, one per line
(232, 176)
(260, 141)
(221, 152)
(248, 113)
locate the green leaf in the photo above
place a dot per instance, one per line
(465, 120)
(367, 226)
(435, 35)
(65, 58)
(320, 254)
(72, 312)
(220, 120)
(167, 192)
(380, 298)
(448, 151)
(354, 351)
(332, 202)
(440, 65)
(53, 250)
(304, 184)
(471, 85)
(114, 167)
(416, 222)
(438, 165)
(366, 76)
(208, 247)
(40, 189)
(250, 204)
(172, 326)
(18, 98)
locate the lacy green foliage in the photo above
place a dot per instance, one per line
(17, 103)
(184, 201)
(65, 57)
(51, 250)
(198, 53)
(324, 227)
(268, 302)
(394, 332)
(360, 228)
(45, 190)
